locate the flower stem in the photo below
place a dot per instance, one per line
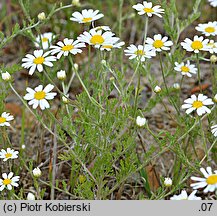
(198, 74)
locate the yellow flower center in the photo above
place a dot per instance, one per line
(158, 44)
(39, 60)
(197, 45)
(39, 95)
(184, 69)
(44, 39)
(211, 180)
(97, 39)
(67, 48)
(6, 181)
(210, 29)
(2, 120)
(197, 104)
(140, 52)
(148, 10)
(8, 155)
(107, 46)
(88, 19)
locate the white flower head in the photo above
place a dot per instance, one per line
(44, 40)
(210, 180)
(197, 103)
(30, 196)
(8, 181)
(37, 61)
(6, 76)
(140, 121)
(212, 46)
(97, 38)
(139, 52)
(8, 154)
(5, 118)
(208, 29)
(148, 9)
(61, 75)
(184, 196)
(214, 130)
(36, 172)
(213, 3)
(39, 96)
(198, 44)
(168, 182)
(159, 43)
(186, 69)
(66, 47)
(86, 16)
(113, 44)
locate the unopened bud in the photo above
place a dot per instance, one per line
(36, 172)
(168, 182)
(65, 99)
(41, 16)
(61, 75)
(157, 89)
(6, 76)
(103, 62)
(213, 58)
(215, 98)
(76, 66)
(140, 121)
(176, 86)
(30, 196)
(76, 3)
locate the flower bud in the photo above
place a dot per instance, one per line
(6, 76)
(36, 172)
(30, 196)
(168, 182)
(176, 86)
(215, 98)
(76, 66)
(213, 58)
(65, 99)
(157, 89)
(103, 62)
(76, 3)
(61, 75)
(41, 16)
(140, 121)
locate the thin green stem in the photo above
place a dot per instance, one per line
(198, 73)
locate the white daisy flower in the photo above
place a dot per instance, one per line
(149, 9)
(5, 118)
(8, 181)
(97, 38)
(37, 61)
(208, 29)
(39, 96)
(66, 47)
(8, 154)
(159, 43)
(44, 40)
(210, 180)
(212, 46)
(214, 130)
(196, 45)
(184, 196)
(113, 44)
(86, 16)
(185, 69)
(104, 28)
(198, 103)
(139, 52)
(213, 3)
